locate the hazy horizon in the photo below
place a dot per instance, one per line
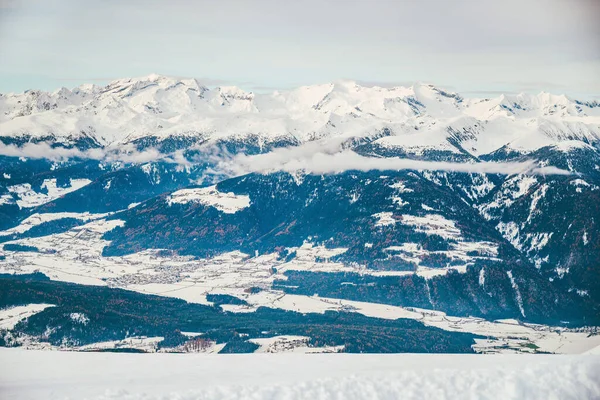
(478, 48)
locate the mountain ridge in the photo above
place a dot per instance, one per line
(421, 116)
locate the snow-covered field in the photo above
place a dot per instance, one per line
(51, 375)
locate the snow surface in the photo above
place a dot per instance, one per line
(517, 292)
(147, 344)
(384, 218)
(11, 316)
(433, 224)
(228, 203)
(37, 219)
(33, 375)
(27, 197)
(291, 344)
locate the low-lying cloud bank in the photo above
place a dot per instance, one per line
(125, 154)
(312, 158)
(333, 163)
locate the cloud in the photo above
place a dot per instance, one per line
(324, 162)
(6, 4)
(41, 151)
(382, 42)
(125, 154)
(313, 157)
(383, 84)
(84, 79)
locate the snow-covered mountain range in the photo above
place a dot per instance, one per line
(415, 118)
(291, 221)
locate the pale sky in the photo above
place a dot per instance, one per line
(476, 47)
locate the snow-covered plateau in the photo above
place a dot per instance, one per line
(36, 375)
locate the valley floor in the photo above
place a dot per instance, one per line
(48, 375)
(76, 256)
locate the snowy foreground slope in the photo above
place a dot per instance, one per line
(29, 375)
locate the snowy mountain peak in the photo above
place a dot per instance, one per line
(161, 106)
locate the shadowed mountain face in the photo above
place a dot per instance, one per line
(146, 175)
